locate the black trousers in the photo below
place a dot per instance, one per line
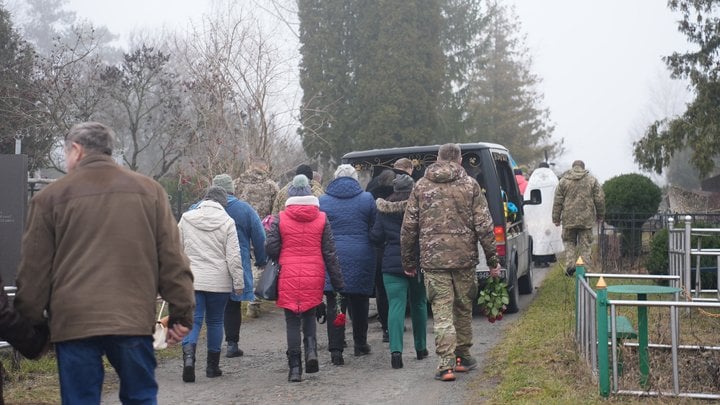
(358, 306)
(293, 324)
(233, 320)
(381, 299)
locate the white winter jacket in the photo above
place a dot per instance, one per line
(211, 243)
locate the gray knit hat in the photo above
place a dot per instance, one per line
(300, 186)
(225, 181)
(403, 183)
(217, 194)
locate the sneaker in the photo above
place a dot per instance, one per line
(445, 374)
(421, 354)
(362, 350)
(396, 360)
(337, 358)
(465, 364)
(386, 336)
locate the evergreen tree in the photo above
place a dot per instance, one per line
(697, 128)
(400, 73)
(17, 95)
(505, 105)
(326, 76)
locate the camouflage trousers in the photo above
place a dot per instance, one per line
(451, 294)
(578, 243)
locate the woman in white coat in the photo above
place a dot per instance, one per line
(210, 240)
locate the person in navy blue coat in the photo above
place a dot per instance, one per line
(351, 212)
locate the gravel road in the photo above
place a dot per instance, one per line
(260, 376)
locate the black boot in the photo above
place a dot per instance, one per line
(233, 350)
(295, 363)
(188, 362)
(336, 357)
(213, 365)
(311, 357)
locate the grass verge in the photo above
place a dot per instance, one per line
(536, 362)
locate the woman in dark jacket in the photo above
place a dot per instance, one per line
(301, 241)
(386, 232)
(351, 212)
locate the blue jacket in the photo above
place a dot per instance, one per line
(351, 212)
(250, 231)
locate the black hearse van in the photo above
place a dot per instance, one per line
(491, 165)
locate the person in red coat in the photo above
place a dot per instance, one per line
(300, 239)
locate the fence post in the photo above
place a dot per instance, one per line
(686, 243)
(602, 335)
(579, 274)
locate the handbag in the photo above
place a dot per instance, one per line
(160, 334)
(267, 287)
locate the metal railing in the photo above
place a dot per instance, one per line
(681, 255)
(596, 334)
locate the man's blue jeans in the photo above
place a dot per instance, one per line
(80, 366)
(209, 306)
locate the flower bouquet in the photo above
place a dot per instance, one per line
(339, 321)
(494, 299)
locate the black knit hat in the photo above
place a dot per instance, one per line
(306, 170)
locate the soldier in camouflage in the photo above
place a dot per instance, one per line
(256, 188)
(445, 218)
(282, 195)
(579, 202)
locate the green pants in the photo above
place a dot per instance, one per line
(451, 294)
(397, 289)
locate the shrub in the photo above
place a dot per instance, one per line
(630, 199)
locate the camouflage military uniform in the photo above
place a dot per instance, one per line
(579, 202)
(282, 195)
(448, 215)
(256, 188)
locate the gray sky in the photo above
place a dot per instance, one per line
(600, 62)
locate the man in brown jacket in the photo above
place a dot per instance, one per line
(99, 246)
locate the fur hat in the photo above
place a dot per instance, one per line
(403, 183)
(306, 170)
(346, 170)
(224, 181)
(300, 186)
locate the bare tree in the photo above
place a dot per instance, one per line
(235, 78)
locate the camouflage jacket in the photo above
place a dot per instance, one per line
(448, 213)
(282, 195)
(256, 188)
(579, 200)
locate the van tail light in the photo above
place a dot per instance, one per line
(499, 232)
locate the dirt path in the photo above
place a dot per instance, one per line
(260, 376)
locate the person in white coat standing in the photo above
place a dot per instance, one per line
(210, 240)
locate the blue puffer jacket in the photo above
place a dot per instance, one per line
(351, 212)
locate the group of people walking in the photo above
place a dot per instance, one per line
(101, 244)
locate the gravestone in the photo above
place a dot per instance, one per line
(13, 203)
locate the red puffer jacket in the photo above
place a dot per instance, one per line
(302, 268)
